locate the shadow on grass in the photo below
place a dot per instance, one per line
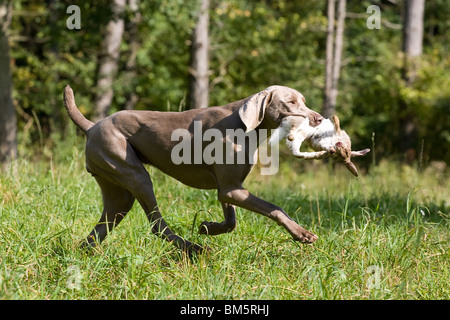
(332, 212)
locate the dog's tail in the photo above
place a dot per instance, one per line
(75, 114)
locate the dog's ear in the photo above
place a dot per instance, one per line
(360, 153)
(337, 124)
(252, 112)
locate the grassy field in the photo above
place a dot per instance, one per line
(384, 235)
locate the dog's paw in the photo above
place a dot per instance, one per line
(193, 248)
(304, 236)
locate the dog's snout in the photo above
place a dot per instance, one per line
(315, 119)
(318, 119)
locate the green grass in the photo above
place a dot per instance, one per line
(384, 235)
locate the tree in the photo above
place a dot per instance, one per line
(412, 36)
(199, 69)
(412, 50)
(8, 124)
(334, 48)
(109, 59)
(133, 40)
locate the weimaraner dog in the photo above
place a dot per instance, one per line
(118, 146)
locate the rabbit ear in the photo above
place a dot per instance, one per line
(360, 153)
(337, 124)
(252, 112)
(352, 168)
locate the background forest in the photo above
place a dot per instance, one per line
(252, 44)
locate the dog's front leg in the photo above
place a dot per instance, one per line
(244, 199)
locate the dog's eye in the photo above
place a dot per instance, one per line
(292, 102)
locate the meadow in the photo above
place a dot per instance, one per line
(384, 235)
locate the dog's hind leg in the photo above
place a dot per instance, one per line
(147, 200)
(228, 225)
(137, 181)
(117, 202)
(118, 165)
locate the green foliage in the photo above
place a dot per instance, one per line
(257, 45)
(253, 44)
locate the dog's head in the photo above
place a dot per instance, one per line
(272, 105)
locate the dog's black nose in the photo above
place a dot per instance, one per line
(315, 119)
(318, 119)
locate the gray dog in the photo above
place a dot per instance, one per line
(118, 146)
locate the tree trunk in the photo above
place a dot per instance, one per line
(338, 47)
(335, 42)
(8, 122)
(199, 70)
(109, 60)
(133, 39)
(328, 106)
(412, 37)
(412, 49)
